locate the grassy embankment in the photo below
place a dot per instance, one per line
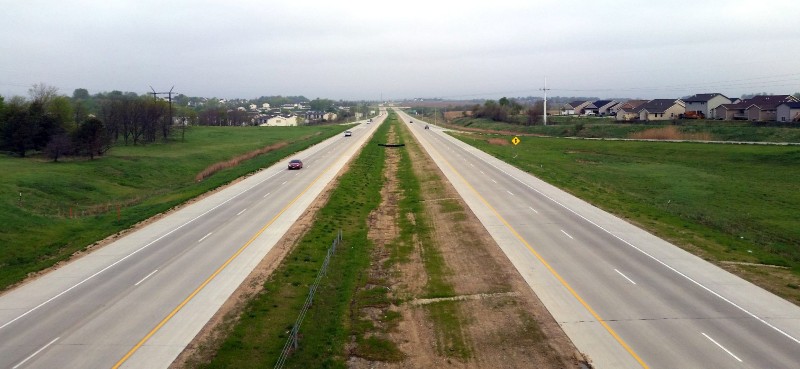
(607, 128)
(68, 205)
(336, 319)
(731, 204)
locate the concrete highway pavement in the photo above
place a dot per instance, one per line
(626, 298)
(136, 303)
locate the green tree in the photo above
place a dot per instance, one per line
(80, 94)
(90, 138)
(17, 132)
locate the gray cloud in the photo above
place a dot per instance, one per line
(360, 49)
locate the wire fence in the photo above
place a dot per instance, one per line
(292, 343)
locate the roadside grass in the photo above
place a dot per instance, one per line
(69, 205)
(257, 339)
(727, 203)
(588, 127)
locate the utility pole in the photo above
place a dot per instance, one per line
(169, 97)
(545, 99)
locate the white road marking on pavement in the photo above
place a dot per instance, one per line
(284, 182)
(147, 276)
(495, 182)
(35, 353)
(204, 237)
(62, 293)
(722, 347)
(267, 194)
(625, 276)
(562, 231)
(534, 210)
(657, 260)
(510, 193)
(243, 210)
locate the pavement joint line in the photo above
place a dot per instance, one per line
(216, 272)
(550, 268)
(690, 279)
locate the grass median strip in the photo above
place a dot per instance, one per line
(257, 338)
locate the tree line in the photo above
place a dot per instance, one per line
(509, 111)
(82, 125)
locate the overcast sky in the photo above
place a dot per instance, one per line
(402, 49)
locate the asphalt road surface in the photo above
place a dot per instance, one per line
(626, 298)
(138, 302)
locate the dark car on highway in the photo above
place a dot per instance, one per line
(295, 164)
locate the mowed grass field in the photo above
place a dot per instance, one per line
(66, 206)
(727, 203)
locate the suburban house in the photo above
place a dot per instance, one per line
(788, 112)
(629, 110)
(599, 107)
(280, 120)
(661, 109)
(704, 104)
(574, 108)
(758, 108)
(314, 115)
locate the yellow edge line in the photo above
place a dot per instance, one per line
(550, 268)
(211, 277)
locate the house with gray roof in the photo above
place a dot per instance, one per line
(762, 108)
(599, 107)
(574, 107)
(629, 110)
(661, 109)
(704, 104)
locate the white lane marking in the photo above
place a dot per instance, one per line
(625, 276)
(204, 237)
(534, 210)
(510, 193)
(472, 165)
(267, 194)
(240, 213)
(495, 182)
(35, 353)
(483, 173)
(134, 252)
(722, 347)
(147, 276)
(284, 182)
(562, 231)
(664, 264)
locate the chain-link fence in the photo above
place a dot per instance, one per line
(291, 343)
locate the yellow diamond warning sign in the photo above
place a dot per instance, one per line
(515, 140)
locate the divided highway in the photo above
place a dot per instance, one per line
(626, 298)
(137, 302)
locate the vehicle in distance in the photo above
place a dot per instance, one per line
(295, 164)
(348, 133)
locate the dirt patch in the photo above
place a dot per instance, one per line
(670, 133)
(502, 321)
(498, 141)
(216, 167)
